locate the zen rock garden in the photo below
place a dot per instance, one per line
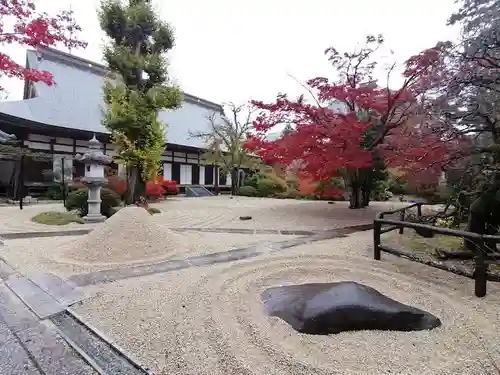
(352, 230)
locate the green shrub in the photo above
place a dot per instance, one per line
(267, 187)
(56, 192)
(252, 181)
(381, 191)
(77, 200)
(248, 191)
(398, 186)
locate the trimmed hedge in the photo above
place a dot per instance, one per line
(77, 200)
(248, 191)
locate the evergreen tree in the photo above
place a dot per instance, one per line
(139, 88)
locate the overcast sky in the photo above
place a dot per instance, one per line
(237, 50)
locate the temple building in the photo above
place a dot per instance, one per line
(59, 120)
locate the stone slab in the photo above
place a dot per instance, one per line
(64, 292)
(36, 234)
(30, 346)
(51, 352)
(104, 356)
(5, 270)
(41, 303)
(14, 360)
(14, 313)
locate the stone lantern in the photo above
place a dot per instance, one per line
(94, 160)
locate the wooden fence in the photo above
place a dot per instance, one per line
(483, 255)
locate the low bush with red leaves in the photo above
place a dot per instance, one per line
(170, 187)
(155, 189)
(116, 184)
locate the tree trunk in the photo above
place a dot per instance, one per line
(484, 215)
(140, 187)
(234, 181)
(216, 182)
(359, 193)
(365, 194)
(133, 185)
(355, 196)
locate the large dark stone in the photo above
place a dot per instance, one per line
(322, 309)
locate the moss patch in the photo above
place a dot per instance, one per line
(57, 218)
(411, 241)
(426, 248)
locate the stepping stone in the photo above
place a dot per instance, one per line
(64, 292)
(41, 303)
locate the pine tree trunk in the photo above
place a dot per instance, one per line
(132, 177)
(140, 187)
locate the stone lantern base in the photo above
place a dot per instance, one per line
(94, 203)
(94, 218)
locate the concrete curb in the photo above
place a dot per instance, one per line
(79, 232)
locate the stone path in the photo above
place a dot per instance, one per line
(29, 342)
(39, 336)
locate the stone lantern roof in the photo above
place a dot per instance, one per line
(94, 155)
(7, 138)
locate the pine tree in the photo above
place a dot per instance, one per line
(139, 88)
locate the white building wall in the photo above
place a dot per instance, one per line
(202, 175)
(186, 176)
(167, 171)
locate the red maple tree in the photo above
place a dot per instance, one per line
(22, 24)
(354, 119)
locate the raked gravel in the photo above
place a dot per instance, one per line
(130, 235)
(210, 320)
(48, 254)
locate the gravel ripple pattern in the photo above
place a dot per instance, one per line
(210, 320)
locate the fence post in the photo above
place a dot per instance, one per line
(402, 218)
(481, 269)
(377, 226)
(419, 210)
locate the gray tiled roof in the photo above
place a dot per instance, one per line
(76, 99)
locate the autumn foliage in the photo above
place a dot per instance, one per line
(354, 118)
(116, 184)
(154, 188)
(159, 187)
(23, 25)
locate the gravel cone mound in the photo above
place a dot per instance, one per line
(129, 236)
